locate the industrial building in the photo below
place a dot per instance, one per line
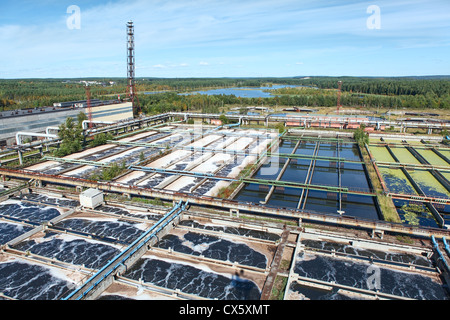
(39, 119)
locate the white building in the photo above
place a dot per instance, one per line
(91, 198)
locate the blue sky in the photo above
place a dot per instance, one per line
(226, 38)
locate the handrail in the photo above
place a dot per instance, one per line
(447, 249)
(121, 258)
(438, 251)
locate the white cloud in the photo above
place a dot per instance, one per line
(176, 33)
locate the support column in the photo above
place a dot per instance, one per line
(234, 213)
(19, 152)
(376, 232)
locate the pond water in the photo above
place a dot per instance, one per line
(243, 92)
(325, 173)
(354, 274)
(193, 279)
(91, 242)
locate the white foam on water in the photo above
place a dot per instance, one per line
(204, 141)
(138, 136)
(215, 190)
(169, 159)
(196, 265)
(180, 183)
(68, 276)
(21, 204)
(131, 176)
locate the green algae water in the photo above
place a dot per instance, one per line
(381, 154)
(429, 185)
(445, 152)
(404, 156)
(432, 157)
(396, 181)
(446, 175)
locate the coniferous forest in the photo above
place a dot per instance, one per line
(404, 92)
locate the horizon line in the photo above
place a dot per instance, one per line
(229, 77)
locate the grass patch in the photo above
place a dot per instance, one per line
(273, 220)
(278, 288)
(226, 192)
(155, 202)
(387, 207)
(109, 173)
(404, 239)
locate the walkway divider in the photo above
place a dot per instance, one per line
(339, 179)
(309, 176)
(272, 189)
(121, 259)
(439, 177)
(418, 189)
(441, 155)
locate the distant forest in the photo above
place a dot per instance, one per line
(403, 92)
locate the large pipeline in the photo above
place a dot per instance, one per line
(122, 258)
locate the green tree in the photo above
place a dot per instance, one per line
(71, 134)
(101, 139)
(109, 173)
(224, 119)
(360, 136)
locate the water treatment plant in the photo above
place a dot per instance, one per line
(203, 210)
(199, 195)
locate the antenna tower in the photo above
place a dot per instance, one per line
(131, 88)
(89, 107)
(339, 96)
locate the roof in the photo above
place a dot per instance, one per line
(91, 193)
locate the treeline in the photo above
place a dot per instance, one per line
(371, 92)
(35, 93)
(170, 101)
(384, 86)
(328, 98)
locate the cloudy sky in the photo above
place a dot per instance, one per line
(225, 38)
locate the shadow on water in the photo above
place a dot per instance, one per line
(214, 248)
(244, 286)
(192, 280)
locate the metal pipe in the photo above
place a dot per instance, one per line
(33, 134)
(85, 123)
(47, 131)
(447, 249)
